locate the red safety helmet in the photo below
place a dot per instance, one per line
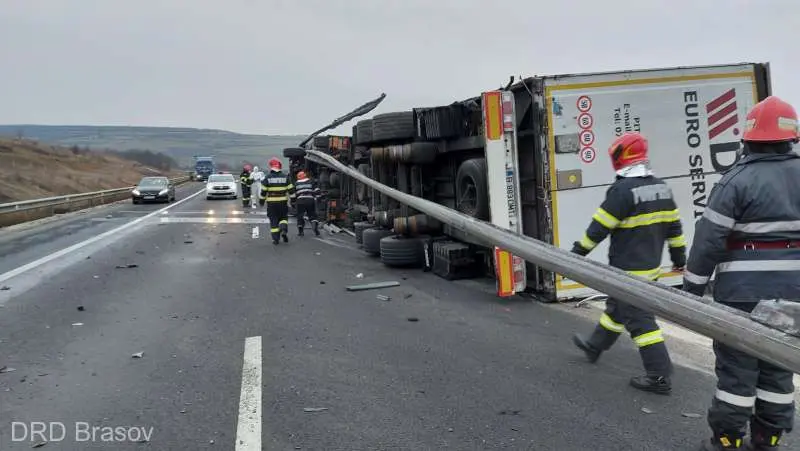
(301, 175)
(771, 120)
(628, 149)
(248, 168)
(275, 164)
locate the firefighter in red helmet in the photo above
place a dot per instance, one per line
(275, 192)
(749, 234)
(640, 214)
(246, 181)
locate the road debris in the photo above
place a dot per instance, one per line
(131, 265)
(360, 275)
(322, 282)
(6, 369)
(382, 297)
(372, 286)
(509, 412)
(691, 415)
(138, 355)
(81, 308)
(646, 410)
(413, 319)
(188, 242)
(5, 288)
(39, 444)
(77, 324)
(314, 409)
(407, 295)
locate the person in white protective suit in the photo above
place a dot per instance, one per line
(258, 176)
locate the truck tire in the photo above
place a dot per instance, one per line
(472, 189)
(371, 239)
(413, 153)
(393, 126)
(294, 152)
(364, 131)
(402, 251)
(359, 228)
(321, 142)
(335, 179)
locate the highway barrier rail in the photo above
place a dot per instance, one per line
(28, 210)
(698, 314)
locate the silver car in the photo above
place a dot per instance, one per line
(221, 186)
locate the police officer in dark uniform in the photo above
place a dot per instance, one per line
(307, 193)
(640, 214)
(246, 180)
(750, 233)
(275, 191)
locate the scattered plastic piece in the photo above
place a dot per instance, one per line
(372, 286)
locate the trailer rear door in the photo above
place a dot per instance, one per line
(693, 118)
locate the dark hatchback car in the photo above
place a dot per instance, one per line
(153, 189)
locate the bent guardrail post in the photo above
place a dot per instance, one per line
(695, 313)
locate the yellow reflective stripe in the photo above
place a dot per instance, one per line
(650, 338)
(277, 199)
(605, 218)
(283, 221)
(275, 188)
(656, 217)
(650, 274)
(678, 241)
(610, 324)
(290, 186)
(275, 229)
(587, 243)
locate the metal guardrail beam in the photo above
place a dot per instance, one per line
(701, 315)
(15, 207)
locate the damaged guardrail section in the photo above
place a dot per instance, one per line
(29, 210)
(701, 315)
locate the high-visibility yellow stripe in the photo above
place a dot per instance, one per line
(656, 217)
(277, 199)
(275, 229)
(610, 324)
(273, 189)
(492, 115)
(649, 338)
(605, 218)
(283, 221)
(678, 241)
(650, 274)
(587, 243)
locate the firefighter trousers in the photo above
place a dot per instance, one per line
(246, 193)
(306, 206)
(278, 214)
(642, 328)
(749, 389)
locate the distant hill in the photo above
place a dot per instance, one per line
(179, 143)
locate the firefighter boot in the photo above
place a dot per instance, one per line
(300, 231)
(285, 232)
(591, 352)
(654, 384)
(315, 226)
(722, 442)
(763, 437)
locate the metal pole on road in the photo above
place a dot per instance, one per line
(713, 320)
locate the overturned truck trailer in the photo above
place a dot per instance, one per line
(531, 158)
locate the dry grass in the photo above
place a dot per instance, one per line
(29, 170)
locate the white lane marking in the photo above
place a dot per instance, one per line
(248, 428)
(221, 212)
(212, 220)
(56, 255)
(255, 232)
(332, 242)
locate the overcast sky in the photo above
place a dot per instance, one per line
(290, 66)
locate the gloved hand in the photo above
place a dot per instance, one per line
(578, 249)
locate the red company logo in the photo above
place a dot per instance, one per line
(722, 114)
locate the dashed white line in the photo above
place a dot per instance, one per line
(248, 428)
(255, 232)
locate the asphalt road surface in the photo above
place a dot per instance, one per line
(181, 327)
